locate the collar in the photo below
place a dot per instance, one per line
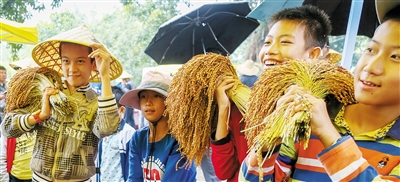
(394, 131)
(82, 89)
(121, 125)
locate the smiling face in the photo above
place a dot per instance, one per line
(76, 65)
(151, 104)
(377, 74)
(285, 40)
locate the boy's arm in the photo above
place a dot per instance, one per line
(278, 167)
(107, 119)
(15, 124)
(352, 165)
(3, 159)
(224, 158)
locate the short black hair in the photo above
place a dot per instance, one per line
(316, 22)
(393, 14)
(118, 92)
(3, 68)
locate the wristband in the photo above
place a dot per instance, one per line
(36, 116)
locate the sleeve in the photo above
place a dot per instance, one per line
(3, 159)
(177, 168)
(126, 136)
(278, 167)
(135, 167)
(353, 167)
(224, 158)
(15, 124)
(107, 119)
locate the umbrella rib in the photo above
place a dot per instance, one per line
(172, 41)
(215, 38)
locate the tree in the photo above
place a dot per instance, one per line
(19, 11)
(128, 31)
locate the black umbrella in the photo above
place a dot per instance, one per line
(217, 26)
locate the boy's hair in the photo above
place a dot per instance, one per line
(3, 68)
(118, 92)
(316, 23)
(393, 14)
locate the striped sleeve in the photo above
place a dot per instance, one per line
(107, 103)
(15, 124)
(107, 119)
(275, 168)
(352, 165)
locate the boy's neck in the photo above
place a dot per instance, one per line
(366, 118)
(158, 131)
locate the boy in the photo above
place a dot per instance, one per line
(362, 141)
(154, 154)
(65, 147)
(295, 33)
(115, 147)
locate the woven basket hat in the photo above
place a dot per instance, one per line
(47, 53)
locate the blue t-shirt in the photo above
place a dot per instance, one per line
(157, 161)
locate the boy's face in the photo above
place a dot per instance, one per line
(152, 105)
(285, 40)
(377, 74)
(3, 76)
(76, 64)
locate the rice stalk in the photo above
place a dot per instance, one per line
(191, 105)
(267, 125)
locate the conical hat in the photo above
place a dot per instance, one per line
(47, 53)
(248, 68)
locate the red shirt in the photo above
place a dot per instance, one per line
(229, 152)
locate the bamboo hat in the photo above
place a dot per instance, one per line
(152, 80)
(248, 68)
(47, 53)
(384, 6)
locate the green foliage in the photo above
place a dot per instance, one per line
(129, 30)
(19, 11)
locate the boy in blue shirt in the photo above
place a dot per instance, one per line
(154, 154)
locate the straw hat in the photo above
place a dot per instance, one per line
(334, 56)
(248, 68)
(383, 6)
(24, 63)
(46, 54)
(125, 75)
(152, 80)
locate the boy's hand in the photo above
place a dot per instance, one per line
(102, 57)
(46, 107)
(321, 125)
(223, 85)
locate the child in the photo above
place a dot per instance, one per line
(362, 141)
(154, 154)
(295, 33)
(115, 147)
(66, 146)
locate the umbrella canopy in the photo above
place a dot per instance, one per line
(17, 33)
(217, 26)
(269, 7)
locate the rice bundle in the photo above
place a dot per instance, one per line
(266, 125)
(25, 91)
(191, 105)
